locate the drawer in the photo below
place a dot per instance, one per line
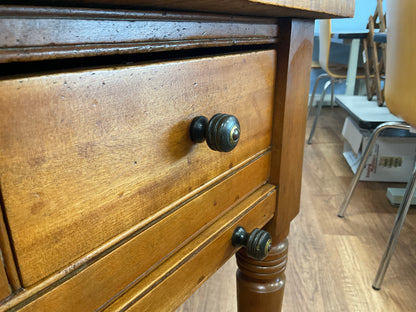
(138, 257)
(87, 155)
(204, 256)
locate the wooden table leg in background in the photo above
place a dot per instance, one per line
(260, 284)
(352, 66)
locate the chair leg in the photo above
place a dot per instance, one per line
(364, 157)
(366, 63)
(314, 90)
(318, 110)
(376, 63)
(332, 93)
(395, 233)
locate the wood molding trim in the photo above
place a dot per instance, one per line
(32, 34)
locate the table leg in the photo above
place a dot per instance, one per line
(352, 66)
(260, 284)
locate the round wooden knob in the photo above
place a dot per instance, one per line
(257, 243)
(222, 132)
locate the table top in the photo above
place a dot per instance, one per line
(351, 35)
(380, 37)
(270, 8)
(366, 113)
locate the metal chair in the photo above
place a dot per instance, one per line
(374, 64)
(335, 72)
(400, 97)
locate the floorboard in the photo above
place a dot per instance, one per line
(332, 261)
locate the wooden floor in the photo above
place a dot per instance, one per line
(332, 261)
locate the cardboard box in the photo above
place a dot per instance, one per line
(391, 160)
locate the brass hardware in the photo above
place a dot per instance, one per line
(257, 243)
(222, 132)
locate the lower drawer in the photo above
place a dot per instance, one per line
(177, 278)
(132, 259)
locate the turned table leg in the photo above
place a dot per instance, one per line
(260, 284)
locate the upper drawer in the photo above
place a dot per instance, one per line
(86, 155)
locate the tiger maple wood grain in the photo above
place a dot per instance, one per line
(92, 153)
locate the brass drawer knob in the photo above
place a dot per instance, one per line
(222, 132)
(257, 243)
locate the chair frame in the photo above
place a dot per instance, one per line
(404, 206)
(374, 66)
(330, 83)
(324, 50)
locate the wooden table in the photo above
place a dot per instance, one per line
(353, 39)
(367, 114)
(108, 203)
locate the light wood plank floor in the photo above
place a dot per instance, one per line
(333, 261)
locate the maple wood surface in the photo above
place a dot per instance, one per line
(130, 261)
(93, 153)
(11, 277)
(289, 123)
(100, 183)
(274, 8)
(254, 212)
(261, 284)
(73, 33)
(5, 289)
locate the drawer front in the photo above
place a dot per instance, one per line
(137, 257)
(159, 291)
(86, 155)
